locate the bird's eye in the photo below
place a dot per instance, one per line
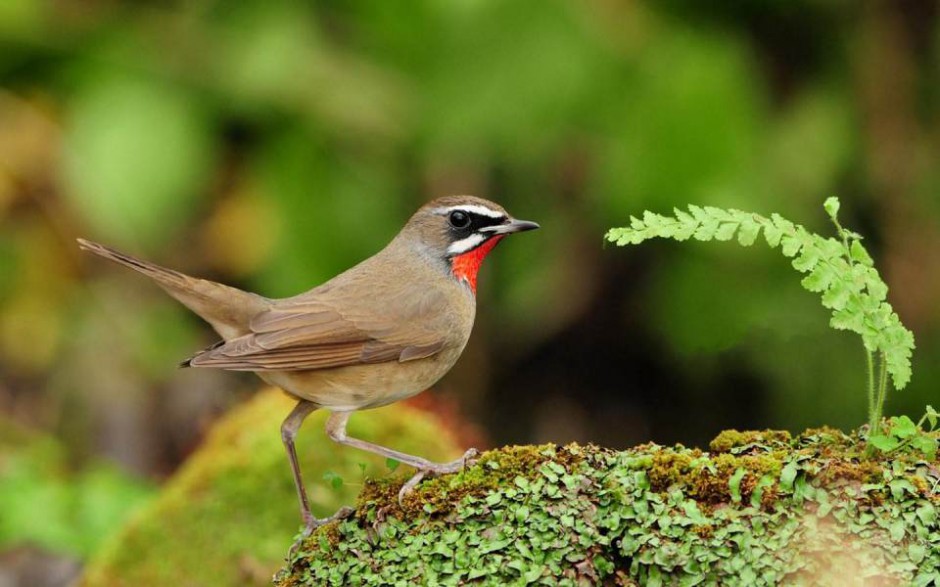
(459, 219)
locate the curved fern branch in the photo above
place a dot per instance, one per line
(841, 270)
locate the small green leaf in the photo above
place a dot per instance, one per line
(858, 254)
(877, 289)
(903, 427)
(927, 513)
(819, 278)
(790, 245)
(932, 416)
(654, 578)
(788, 475)
(683, 217)
(707, 229)
(806, 260)
(831, 206)
(333, 479)
(392, 464)
(897, 529)
(725, 232)
(763, 483)
(690, 507)
(772, 235)
(748, 231)
(926, 445)
(837, 296)
(899, 487)
(916, 552)
(697, 212)
(884, 443)
(734, 484)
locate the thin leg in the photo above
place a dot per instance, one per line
(336, 429)
(289, 429)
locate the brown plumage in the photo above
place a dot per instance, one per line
(382, 331)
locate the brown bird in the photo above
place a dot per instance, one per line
(382, 331)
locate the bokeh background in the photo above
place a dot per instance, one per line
(271, 145)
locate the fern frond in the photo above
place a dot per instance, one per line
(839, 269)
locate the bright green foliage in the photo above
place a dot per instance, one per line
(229, 515)
(768, 510)
(50, 503)
(840, 269)
(903, 434)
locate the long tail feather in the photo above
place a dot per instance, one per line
(227, 309)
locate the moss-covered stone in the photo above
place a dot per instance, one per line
(769, 509)
(729, 440)
(230, 513)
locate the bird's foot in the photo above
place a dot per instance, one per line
(437, 469)
(311, 523)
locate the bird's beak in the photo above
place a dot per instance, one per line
(510, 226)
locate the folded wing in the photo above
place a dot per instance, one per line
(315, 335)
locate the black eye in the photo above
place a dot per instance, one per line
(459, 219)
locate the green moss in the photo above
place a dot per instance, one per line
(729, 440)
(767, 509)
(230, 513)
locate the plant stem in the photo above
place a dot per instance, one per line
(882, 386)
(872, 411)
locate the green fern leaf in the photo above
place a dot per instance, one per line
(860, 255)
(836, 297)
(807, 259)
(819, 279)
(726, 231)
(841, 271)
(772, 234)
(831, 206)
(748, 231)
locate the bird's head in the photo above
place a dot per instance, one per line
(461, 231)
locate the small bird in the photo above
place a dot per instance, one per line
(382, 331)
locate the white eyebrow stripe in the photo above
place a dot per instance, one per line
(472, 209)
(465, 244)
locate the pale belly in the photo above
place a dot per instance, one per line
(360, 387)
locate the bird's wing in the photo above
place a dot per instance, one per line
(311, 334)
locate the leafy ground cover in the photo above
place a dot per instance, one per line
(758, 508)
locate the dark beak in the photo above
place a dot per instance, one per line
(510, 226)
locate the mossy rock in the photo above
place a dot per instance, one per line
(228, 516)
(767, 509)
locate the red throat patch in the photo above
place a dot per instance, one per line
(467, 265)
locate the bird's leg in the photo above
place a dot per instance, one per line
(336, 429)
(289, 429)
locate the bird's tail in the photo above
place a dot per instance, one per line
(227, 309)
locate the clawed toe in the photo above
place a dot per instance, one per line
(437, 469)
(470, 456)
(312, 523)
(409, 486)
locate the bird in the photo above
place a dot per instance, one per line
(380, 332)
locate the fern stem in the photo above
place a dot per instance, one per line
(882, 387)
(872, 409)
(883, 384)
(845, 240)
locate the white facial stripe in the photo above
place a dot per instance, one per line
(472, 209)
(465, 244)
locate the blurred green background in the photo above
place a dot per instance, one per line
(271, 145)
